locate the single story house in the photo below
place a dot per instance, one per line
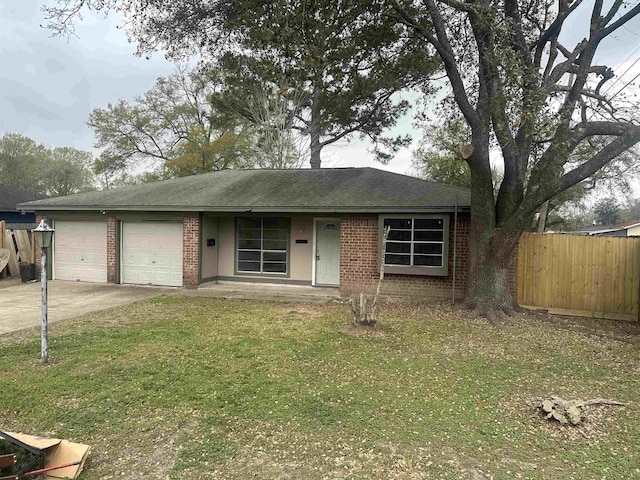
(14, 217)
(321, 227)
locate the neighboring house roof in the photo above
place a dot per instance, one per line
(595, 229)
(599, 229)
(327, 189)
(626, 225)
(10, 197)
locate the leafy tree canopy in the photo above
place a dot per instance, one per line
(349, 58)
(176, 127)
(607, 211)
(438, 157)
(40, 169)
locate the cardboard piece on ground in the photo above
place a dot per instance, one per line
(57, 452)
(14, 269)
(4, 258)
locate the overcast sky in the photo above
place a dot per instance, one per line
(49, 85)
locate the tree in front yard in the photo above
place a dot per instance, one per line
(516, 82)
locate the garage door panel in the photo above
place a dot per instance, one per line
(80, 251)
(152, 253)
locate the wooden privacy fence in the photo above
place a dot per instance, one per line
(580, 275)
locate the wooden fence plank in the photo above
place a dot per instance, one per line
(24, 245)
(618, 293)
(576, 295)
(14, 269)
(521, 268)
(629, 285)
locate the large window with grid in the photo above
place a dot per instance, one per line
(262, 245)
(416, 245)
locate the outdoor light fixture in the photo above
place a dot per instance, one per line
(42, 235)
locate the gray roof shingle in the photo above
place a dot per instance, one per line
(327, 189)
(12, 196)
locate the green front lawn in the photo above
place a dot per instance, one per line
(193, 388)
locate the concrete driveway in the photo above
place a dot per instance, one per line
(21, 305)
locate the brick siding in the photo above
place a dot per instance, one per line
(111, 250)
(359, 263)
(190, 251)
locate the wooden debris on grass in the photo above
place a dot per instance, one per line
(570, 412)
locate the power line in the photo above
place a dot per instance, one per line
(625, 72)
(623, 87)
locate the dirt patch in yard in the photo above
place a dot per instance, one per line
(9, 282)
(299, 311)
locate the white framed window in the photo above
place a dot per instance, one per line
(262, 245)
(416, 245)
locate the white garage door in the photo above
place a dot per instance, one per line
(152, 253)
(80, 251)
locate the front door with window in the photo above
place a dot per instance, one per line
(328, 252)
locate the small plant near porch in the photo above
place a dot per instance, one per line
(364, 308)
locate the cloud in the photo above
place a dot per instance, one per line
(50, 85)
(54, 66)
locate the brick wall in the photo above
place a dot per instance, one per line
(359, 263)
(358, 254)
(111, 250)
(190, 251)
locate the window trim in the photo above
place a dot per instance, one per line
(442, 271)
(286, 274)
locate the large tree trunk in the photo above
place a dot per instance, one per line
(488, 289)
(492, 244)
(314, 132)
(315, 151)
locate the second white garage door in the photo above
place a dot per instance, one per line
(152, 253)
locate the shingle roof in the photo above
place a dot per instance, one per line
(629, 224)
(327, 189)
(12, 196)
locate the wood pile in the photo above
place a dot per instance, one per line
(570, 412)
(15, 248)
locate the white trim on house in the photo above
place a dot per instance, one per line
(314, 246)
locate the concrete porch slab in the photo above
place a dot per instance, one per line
(263, 291)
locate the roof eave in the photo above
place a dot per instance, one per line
(252, 209)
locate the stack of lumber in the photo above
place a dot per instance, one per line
(15, 247)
